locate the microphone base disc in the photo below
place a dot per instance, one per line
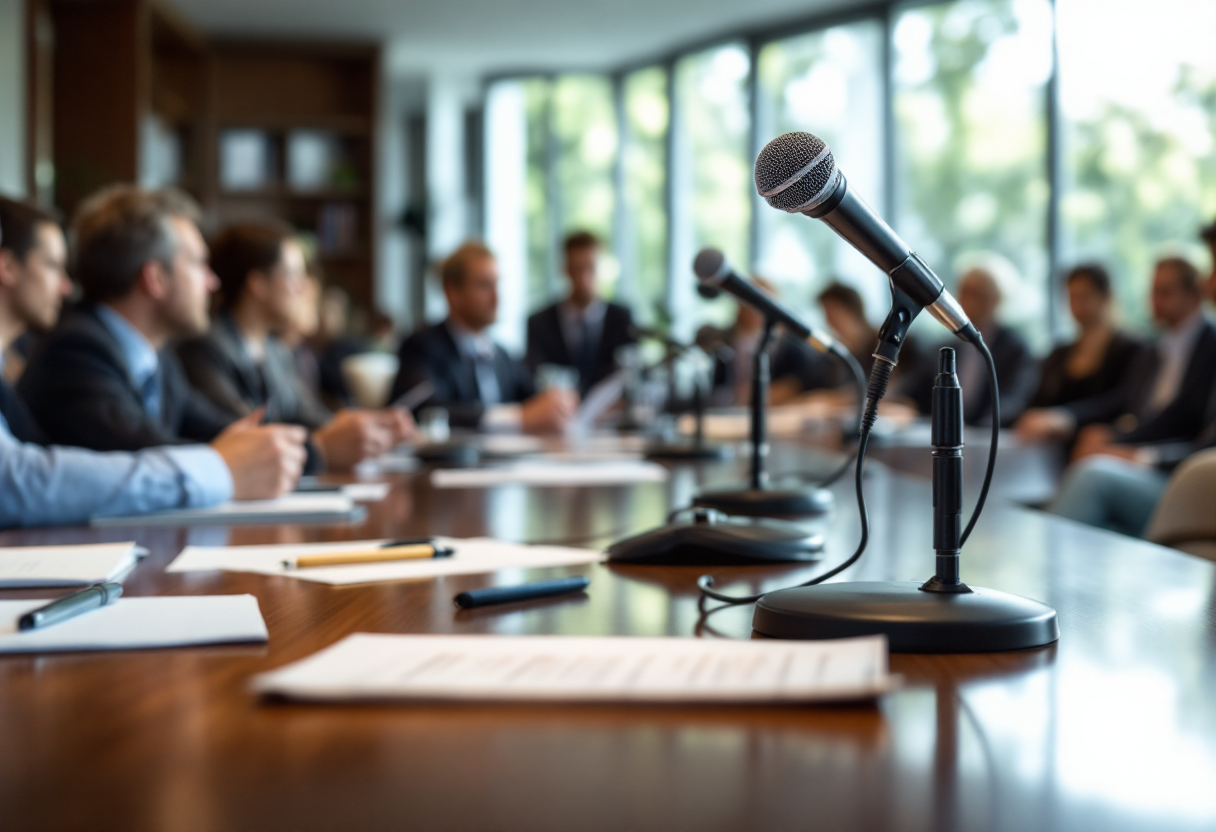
(708, 540)
(687, 451)
(767, 502)
(980, 621)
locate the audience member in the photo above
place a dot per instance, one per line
(57, 485)
(979, 294)
(103, 378)
(794, 366)
(583, 331)
(1117, 485)
(241, 365)
(473, 378)
(334, 344)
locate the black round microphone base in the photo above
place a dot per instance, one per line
(914, 621)
(767, 502)
(456, 454)
(687, 451)
(710, 539)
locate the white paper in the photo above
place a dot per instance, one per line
(551, 473)
(597, 402)
(136, 623)
(298, 507)
(574, 669)
(95, 563)
(366, 492)
(472, 555)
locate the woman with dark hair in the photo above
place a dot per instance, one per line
(1091, 365)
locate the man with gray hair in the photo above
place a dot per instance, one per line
(103, 379)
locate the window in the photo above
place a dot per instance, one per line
(828, 83)
(712, 172)
(1139, 157)
(970, 93)
(643, 247)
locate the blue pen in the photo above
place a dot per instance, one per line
(520, 592)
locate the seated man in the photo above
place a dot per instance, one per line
(473, 378)
(1118, 477)
(241, 364)
(583, 331)
(103, 378)
(1016, 368)
(1163, 397)
(55, 485)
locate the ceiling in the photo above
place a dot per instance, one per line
(491, 36)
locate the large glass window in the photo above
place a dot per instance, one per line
(828, 83)
(1139, 129)
(643, 247)
(712, 170)
(970, 99)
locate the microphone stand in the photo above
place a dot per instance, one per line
(758, 499)
(942, 615)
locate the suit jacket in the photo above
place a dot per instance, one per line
(218, 366)
(1181, 420)
(431, 354)
(1057, 387)
(547, 342)
(21, 423)
(1016, 376)
(78, 389)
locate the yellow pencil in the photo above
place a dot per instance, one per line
(387, 553)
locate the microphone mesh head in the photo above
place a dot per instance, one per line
(710, 265)
(796, 172)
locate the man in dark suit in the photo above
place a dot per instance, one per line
(470, 376)
(103, 378)
(1016, 368)
(584, 331)
(241, 365)
(1119, 475)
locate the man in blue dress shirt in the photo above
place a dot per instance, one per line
(41, 485)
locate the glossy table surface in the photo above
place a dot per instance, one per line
(1112, 728)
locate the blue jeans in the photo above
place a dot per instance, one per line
(1110, 493)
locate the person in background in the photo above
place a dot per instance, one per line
(794, 366)
(1092, 365)
(297, 336)
(583, 331)
(1163, 393)
(474, 379)
(979, 294)
(1117, 485)
(41, 485)
(333, 344)
(241, 365)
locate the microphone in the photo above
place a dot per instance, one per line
(714, 272)
(797, 173)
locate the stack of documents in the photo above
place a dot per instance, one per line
(136, 623)
(551, 473)
(290, 508)
(25, 566)
(472, 555)
(365, 667)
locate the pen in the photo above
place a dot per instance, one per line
(415, 396)
(394, 550)
(70, 606)
(520, 592)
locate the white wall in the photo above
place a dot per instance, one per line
(12, 97)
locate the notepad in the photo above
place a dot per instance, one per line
(290, 508)
(29, 566)
(472, 556)
(367, 667)
(138, 623)
(551, 473)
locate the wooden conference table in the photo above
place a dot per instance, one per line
(1113, 728)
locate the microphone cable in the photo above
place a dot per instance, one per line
(879, 378)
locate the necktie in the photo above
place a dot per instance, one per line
(586, 354)
(487, 377)
(151, 393)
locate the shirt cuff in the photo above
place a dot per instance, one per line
(205, 476)
(503, 417)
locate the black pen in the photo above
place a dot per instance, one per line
(520, 592)
(70, 606)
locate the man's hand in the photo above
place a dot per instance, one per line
(1044, 424)
(355, 435)
(265, 460)
(549, 411)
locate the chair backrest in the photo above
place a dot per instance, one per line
(1187, 511)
